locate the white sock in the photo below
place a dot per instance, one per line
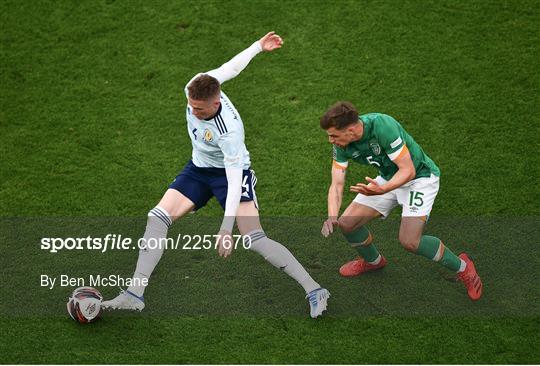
(157, 226)
(280, 257)
(462, 266)
(376, 261)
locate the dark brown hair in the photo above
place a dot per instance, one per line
(340, 115)
(204, 87)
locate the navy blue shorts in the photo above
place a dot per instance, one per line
(201, 184)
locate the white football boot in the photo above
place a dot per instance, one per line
(317, 301)
(127, 300)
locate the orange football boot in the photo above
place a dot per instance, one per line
(359, 266)
(470, 278)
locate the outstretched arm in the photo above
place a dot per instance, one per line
(335, 196)
(234, 193)
(232, 68)
(230, 146)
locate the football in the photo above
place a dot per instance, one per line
(84, 305)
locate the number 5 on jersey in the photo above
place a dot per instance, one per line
(372, 162)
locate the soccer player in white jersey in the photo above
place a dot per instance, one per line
(220, 167)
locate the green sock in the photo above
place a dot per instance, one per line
(361, 239)
(434, 249)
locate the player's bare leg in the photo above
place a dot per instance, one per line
(172, 206)
(355, 216)
(411, 238)
(280, 257)
(176, 204)
(410, 232)
(352, 224)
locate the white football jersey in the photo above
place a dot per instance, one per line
(219, 141)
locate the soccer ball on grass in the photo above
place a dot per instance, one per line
(84, 305)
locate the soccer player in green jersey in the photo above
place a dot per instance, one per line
(407, 177)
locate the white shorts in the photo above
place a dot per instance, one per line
(416, 197)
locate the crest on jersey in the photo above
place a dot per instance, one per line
(375, 147)
(208, 136)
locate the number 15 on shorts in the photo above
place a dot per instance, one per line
(415, 198)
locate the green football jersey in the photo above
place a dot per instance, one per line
(383, 140)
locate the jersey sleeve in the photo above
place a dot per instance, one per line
(390, 138)
(231, 144)
(232, 68)
(340, 159)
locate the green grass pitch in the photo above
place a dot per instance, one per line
(92, 130)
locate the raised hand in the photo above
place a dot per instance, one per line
(270, 42)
